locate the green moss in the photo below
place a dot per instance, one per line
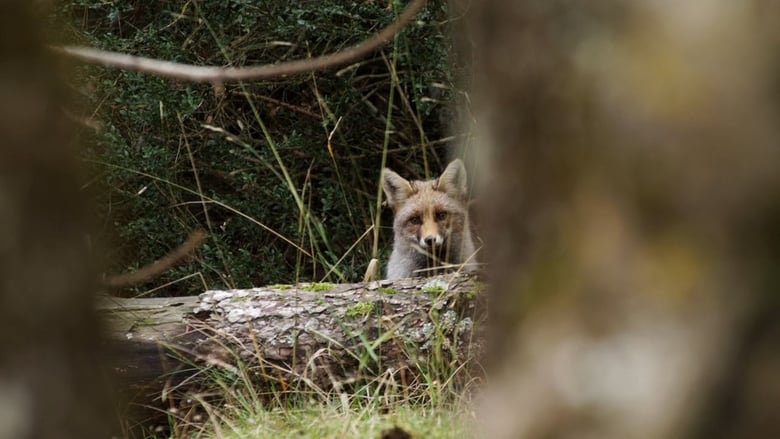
(433, 290)
(280, 286)
(360, 309)
(318, 286)
(387, 290)
(435, 287)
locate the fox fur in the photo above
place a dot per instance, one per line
(430, 221)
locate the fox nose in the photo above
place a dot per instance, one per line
(432, 240)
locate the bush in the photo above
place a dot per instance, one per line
(171, 157)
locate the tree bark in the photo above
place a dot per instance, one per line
(321, 336)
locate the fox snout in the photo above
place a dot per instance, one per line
(431, 240)
(430, 236)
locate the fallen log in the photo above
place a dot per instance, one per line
(313, 336)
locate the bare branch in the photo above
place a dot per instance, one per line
(189, 72)
(148, 272)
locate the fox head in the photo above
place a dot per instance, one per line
(431, 216)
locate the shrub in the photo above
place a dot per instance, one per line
(171, 156)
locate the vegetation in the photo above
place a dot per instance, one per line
(282, 173)
(332, 421)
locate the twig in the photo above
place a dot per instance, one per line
(218, 75)
(152, 270)
(290, 107)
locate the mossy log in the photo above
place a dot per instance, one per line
(320, 336)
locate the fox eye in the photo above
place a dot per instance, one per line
(441, 215)
(416, 220)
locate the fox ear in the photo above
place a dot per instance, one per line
(397, 189)
(453, 180)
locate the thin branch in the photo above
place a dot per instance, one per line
(149, 272)
(189, 72)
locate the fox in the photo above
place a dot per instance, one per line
(430, 221)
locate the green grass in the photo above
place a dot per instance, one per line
(317, 421)
(436, 405)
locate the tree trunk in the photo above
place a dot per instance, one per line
(321, 336)
(632, 221)
(50, 375)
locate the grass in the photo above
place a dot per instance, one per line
(321, 420)
(436, 404)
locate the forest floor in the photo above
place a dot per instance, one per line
(324, 420)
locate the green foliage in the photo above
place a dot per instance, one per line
(171, 156)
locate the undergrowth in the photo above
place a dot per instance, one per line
(282, 173)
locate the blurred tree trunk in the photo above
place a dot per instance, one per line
(633, 217)
(50, 382)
